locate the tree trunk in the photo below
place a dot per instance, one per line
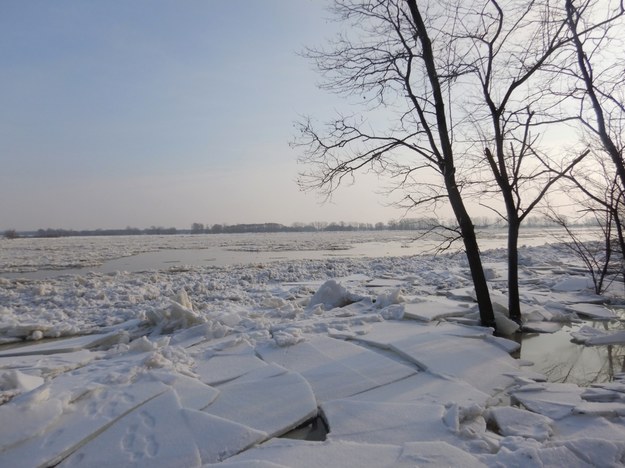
(514, 304)
(447, 167)
(487, 316)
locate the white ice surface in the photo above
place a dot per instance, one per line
(595, 311)
(594, 337)
(517, 422)
(335, 368)
(145, 438)
(375, 422)
(67, 345)
(215, 367)
(552, 400)
(194, 366)
(450, 350)
(330, 453)
(273, 404)
(436, 308)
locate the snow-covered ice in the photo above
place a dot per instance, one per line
(223, 365)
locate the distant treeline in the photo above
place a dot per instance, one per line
(129, 231)
(406, 224)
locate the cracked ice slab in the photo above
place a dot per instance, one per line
(436, 308)
(49, 365)
(376, 422)
(530, 455)
(272, 399)
(424, 387)
(435, 454)
(286, 452)
(55, 427)
(145, 437)
(469, 354)
(554, 400)
(595, 311)
(76, 406)
(67, 345)
(591, 336)
(336, 368)
(282, 453)
(597, 452)
(215, 367)
(517, 422)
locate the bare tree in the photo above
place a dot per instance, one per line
(598, 195)
(511, 49)
(10, 234)
(396, 62)
(597, 29)
(197, 228)
(597, 86)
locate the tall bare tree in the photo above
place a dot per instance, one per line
(596, 190)
(597, 32)
(511, 49)
(597, 86)
(395, 62)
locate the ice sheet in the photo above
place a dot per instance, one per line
(243, 345)
(381, 422)
(436, 309)
(595, 311)
(450, 350)
(335, 368)
(272, 404)
(330, 453)
(144, 438)
(67, 345)
(426, 388)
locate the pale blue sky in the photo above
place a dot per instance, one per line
(152, 112)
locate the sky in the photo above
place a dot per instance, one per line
(163, 113)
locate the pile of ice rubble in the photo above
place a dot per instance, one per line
(216, 365)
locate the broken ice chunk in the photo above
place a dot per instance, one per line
(144, 438)
(596, 311)
(335, 368)
(554, 400)
(517, 422)
(332, 294)
(273, 404)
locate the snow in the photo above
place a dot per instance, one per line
(381, 422)
(517, 422)
(145, 438)
(435, 309)
(593, 336)
(273, 404)
(595, 311)
(220, 365)
(336, 369)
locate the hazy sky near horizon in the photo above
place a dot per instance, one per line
(152, 112)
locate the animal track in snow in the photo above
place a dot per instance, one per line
(139, 441)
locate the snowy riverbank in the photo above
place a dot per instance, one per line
(206, 365)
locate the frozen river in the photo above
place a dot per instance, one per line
(196, 349)
(42, 258)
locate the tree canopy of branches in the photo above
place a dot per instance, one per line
(472, 87)
(597, 86)
(397, 63)
(596, 29)
(596, 190)
(508, 51)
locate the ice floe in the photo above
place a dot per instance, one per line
(219, 365)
